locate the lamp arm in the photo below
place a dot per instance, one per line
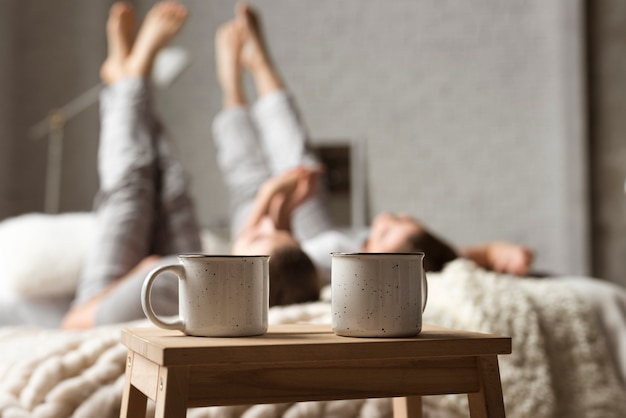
(62, 114)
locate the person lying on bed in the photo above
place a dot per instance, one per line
(260, 143)
(268, 139)
(143, 209)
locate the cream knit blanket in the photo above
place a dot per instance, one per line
(559, 366)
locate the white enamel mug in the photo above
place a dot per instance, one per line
(378, 294)
(219, 295)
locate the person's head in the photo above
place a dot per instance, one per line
(293, 276)
(391, 233)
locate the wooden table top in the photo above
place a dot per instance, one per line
(305, 342)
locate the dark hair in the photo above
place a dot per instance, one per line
(293, 277)
(437, 252)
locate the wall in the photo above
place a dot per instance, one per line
(472, 114)
(7, 10)
(607, 59)
(58, 50)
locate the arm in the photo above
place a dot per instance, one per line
(279, 196)
(502, 257)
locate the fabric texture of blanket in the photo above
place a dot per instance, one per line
(559, 366)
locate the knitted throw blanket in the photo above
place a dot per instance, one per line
(559, 366)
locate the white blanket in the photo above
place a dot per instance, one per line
(560, 366)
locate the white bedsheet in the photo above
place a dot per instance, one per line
(44, 312)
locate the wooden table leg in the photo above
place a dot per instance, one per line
(488, 402)
(409, 407)
(172, 392)
(133, 400)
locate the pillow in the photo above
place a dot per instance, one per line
(41, 254)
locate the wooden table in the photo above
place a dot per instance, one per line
(307, 363)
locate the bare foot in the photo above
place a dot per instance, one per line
(254, 55)
(228, 44)
(120, 27)
(161, 24)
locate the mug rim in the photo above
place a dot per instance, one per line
(343, 254)
(199, 255)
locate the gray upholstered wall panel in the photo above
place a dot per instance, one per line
(471, 112)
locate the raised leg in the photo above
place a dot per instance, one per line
(239, 152)
(281, 130)
(411, 406)
(488, 401)
(126, 206)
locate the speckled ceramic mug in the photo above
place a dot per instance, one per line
(378, 294)
(218, 295)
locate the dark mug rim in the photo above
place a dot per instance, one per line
(198, 255)
(340, 254)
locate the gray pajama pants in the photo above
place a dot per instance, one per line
(143, 207)
(261, 142)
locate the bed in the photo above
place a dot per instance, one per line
(561, 364)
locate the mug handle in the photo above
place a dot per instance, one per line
(425, 291)
(146, 297)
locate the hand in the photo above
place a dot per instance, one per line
(295, 186)
(306, 185)
(504, 257)
(281, 195)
